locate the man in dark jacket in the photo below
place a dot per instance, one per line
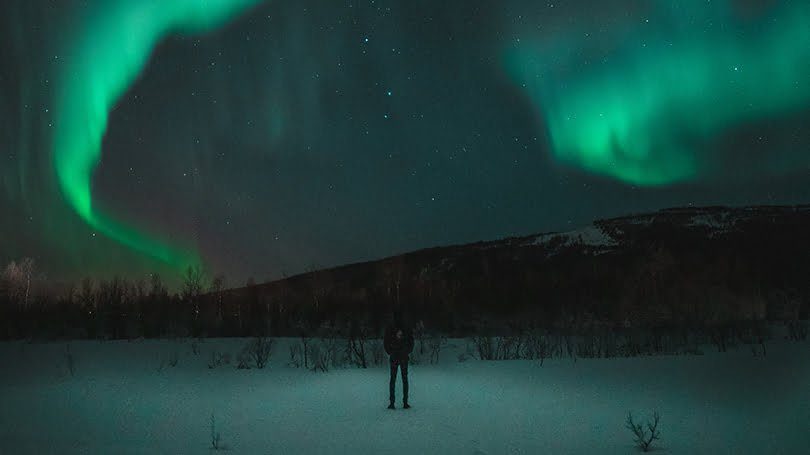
(398, 344)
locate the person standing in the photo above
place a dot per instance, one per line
(398, 343)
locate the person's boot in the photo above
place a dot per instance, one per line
(391, 406)
(406, 406)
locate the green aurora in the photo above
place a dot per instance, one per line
(111, 50)
(644, 109)
(145, 136)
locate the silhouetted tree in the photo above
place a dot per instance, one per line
(193, 285)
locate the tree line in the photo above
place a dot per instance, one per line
(664, 275)
(120, 308)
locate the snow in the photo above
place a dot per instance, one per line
(714, 221)
(717, 223)
(590, 236)
(120, 401)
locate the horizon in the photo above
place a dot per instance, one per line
(175, 287)
(267, 138)
(404, 226)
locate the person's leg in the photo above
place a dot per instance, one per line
(404, 367)
(392, 384)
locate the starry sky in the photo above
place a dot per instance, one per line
(265, 138)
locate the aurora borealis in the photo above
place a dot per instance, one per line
(643, 110)
(262, 138)
(115, 44)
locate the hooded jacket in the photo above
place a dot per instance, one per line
(398, 348)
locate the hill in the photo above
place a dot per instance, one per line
(689, 265)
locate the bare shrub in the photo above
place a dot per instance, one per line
(296, 356)
(469, 349)
(607, 344)
(419, 335)
(721, 337)
(258, 350)
(70, 361)
(356, 347)
(586, 347)
(797, 330)
(472, 349)
(305, 340)
(644, 436)
(631, 347)
(215, 437)
(356, 352)
(485, 347)
(508, 347)
(377, 351)
(556, 345)
(570, 348)
(434, 345)
(170, 360)
(330, 347)
(243, 359)
(218, 359)
(325, 352)
(320, 355)
(537, 346)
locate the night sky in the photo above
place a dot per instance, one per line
(262, 139)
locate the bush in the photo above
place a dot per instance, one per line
(320, 358)
(219, 359)
(484, 347)
(537, 346)
(356, 351)
(170, 360)
(330, 347)
(214, 434)
(722, 338)
(301, 352)
(797, 330)
(305, 340)
(377, 350)
(644, 437)
(243, 359)
(435, 343)
(296, 355)
(325, 354)
(586, 347)
(69, 360)
(259, 351)
(507, 347)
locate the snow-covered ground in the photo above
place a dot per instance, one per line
(120, 401)
(589, 236)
